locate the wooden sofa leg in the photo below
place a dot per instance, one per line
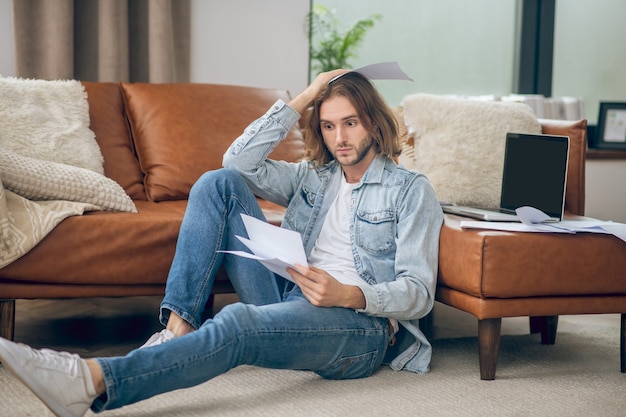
(548, 326)
(534, 324)
(622, 344)
(488, 347)
(7, 319)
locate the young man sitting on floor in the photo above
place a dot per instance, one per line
(371, 234)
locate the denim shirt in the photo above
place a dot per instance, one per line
(394, 226)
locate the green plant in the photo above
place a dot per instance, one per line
(331, 46)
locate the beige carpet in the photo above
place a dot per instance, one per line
(579, 376)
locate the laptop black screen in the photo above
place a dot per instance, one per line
(535, 172)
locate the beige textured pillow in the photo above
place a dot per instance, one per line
(36, 179)
(459, 144)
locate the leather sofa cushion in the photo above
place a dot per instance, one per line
(494, 264)
(107, 120)
(96, 248)
(182, 130)
(112, 249)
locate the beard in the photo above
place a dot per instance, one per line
(361, 152)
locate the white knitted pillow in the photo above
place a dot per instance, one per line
(36, 179)
(48, 120)
(459, 144)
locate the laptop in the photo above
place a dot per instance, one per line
(534, 174)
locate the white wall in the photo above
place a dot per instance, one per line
(253, 43)
(605, 192)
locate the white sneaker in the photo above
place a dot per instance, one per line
(60, 379)
(158, 338)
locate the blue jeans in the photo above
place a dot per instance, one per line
(273, 327)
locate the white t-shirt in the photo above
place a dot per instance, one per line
(333, 251)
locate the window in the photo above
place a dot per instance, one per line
(590, 52)
(446, 46)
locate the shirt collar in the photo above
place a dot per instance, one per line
(374, 173)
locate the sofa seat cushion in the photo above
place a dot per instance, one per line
(111, 248)
(105, 248)
(494, 264)
(485, 308)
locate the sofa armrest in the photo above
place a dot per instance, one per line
(577, 132)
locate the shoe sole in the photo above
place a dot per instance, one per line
(8, 360)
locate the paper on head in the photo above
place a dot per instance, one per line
(380, 71)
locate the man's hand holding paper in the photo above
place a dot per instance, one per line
(276, 248)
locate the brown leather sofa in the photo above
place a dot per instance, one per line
(492, 274)
(157, 139)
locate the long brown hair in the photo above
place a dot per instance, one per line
(371, 108)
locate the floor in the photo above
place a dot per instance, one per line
(114, 326)
(109, 326)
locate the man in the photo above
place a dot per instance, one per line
(371, 234)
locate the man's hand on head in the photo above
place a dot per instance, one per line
(303, 100)
(322, 290)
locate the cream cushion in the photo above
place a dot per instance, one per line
(48, 120)
(36, 179)
(459, 144)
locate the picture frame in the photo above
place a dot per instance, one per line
(611, 131)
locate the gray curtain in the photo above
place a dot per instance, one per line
(103, 40)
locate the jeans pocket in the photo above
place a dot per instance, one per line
(350, 367)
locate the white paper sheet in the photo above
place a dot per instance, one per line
(587, 225)
(276, 248)
(384, 71)
(381, 71)
(511, 227)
